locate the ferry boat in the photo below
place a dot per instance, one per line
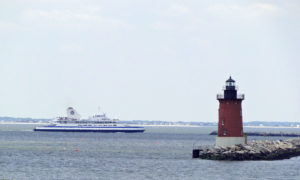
(96, 123)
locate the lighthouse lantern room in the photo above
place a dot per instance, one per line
(230, 125)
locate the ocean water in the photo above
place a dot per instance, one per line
(159, 153)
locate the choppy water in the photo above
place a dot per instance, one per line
(159, 153)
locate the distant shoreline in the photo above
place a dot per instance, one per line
(271, 127)
(155, 125)
(22, 123)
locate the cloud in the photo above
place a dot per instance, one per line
(70, 48)
(8, 26)
(66, 17)
(249, 11)
(161, 26)
(177, 10)
(267, 7)
(174, 10)
(59, 15)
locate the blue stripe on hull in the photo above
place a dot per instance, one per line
(90, 127)
(91, 130)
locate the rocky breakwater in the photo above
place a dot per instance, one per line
(254, 150)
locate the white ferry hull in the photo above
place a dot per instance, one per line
(91, 129)
(96, 123)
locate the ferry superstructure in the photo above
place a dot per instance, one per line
(96, 123)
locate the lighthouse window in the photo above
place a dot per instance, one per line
(229, 83)
(224, 132)
(222, 122)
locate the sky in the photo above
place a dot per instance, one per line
(149, 60)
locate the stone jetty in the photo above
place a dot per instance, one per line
(281, 134)
(254, 150)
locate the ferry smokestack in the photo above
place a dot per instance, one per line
(72, 113)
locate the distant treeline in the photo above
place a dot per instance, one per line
(252, 123)
(264, 123)
(151, 122)
(266, 134)
(14, 119)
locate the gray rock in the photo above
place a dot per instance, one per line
(254, 150)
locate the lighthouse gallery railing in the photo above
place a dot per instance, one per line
(238, 96)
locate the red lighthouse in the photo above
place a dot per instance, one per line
(230, 126)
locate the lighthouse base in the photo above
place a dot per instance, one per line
(230, 141)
